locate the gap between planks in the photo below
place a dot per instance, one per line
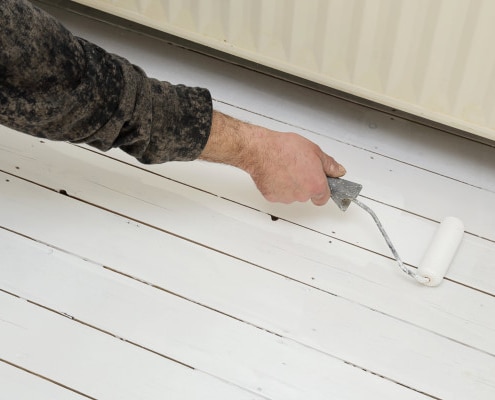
(229, 254)
(81, 227)
(69, 314)
(129, 372)
(11, 372)
(194, 176)
(360, 146)
(224, 252)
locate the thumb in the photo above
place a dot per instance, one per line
(331, 167)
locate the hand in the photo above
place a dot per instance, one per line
(284, 166)
(288, 168)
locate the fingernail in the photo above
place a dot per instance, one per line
(342, 169)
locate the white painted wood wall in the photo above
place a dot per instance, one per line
(120, 281)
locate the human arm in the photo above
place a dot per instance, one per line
(60, 87)
(57, 86)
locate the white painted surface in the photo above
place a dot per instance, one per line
(284, 307)
(203, 338)
(21, 385)
(98, 180)
(96, 364)
(184, 265)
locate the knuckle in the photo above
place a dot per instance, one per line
(270, 197)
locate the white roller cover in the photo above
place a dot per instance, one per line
(431, 58)
(441, 252)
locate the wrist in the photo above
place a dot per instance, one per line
(232, 142)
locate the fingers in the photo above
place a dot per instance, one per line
(288, 168)
(321, 199)
(305, 183)
(331, 167)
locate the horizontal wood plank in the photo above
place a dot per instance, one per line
(94, 363)
(181, 330)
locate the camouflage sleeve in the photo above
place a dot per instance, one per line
(57, 86)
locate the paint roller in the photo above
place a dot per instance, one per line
(438, 256)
